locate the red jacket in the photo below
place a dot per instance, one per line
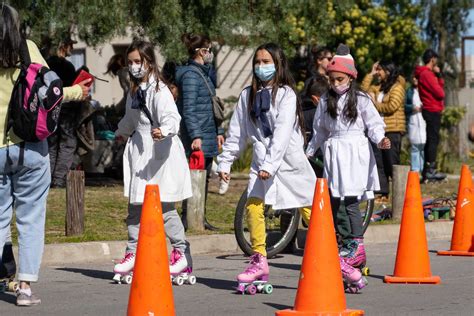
(431, 89)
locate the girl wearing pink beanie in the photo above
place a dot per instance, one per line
(344, 117)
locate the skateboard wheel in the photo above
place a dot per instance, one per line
(192, 279)
(268, 289)
(179, 281)
(12, 286)
(251, 289)
(128, 279)
(365, 271)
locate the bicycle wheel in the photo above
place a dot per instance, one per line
(367, 208)
(280, 226)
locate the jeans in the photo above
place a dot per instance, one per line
(24, 186)
(173, 228)
(417, 157)
(433, 125)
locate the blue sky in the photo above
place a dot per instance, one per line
(470, 32)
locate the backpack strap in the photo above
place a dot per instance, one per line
(24, 54)
(204, 78)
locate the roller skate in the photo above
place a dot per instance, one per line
(124, 269)
(255, 277)
(353, 252)
(353, 279)
(180, 272)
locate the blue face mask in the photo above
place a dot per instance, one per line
(265, 72)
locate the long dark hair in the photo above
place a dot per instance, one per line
(10, 37)
(147, 53)
(195, 41)
(392, 72)
(350, 108)
(282, 78)
(116, 62)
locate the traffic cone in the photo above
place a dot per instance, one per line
(320, 287)
(151, 292)
(413, 262)
(462, 240)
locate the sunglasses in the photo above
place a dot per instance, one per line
(208, 49)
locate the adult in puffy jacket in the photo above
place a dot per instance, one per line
(24, 166)
(388, 95)
(431, 89)
(199, 130)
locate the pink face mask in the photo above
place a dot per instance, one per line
(342, 88)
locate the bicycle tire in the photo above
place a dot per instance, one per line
(367, 216)
(289, 218)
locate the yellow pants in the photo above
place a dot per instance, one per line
(256, 222)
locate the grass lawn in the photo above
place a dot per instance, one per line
(106, 210)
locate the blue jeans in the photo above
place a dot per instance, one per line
(417, 157)
(24, 184)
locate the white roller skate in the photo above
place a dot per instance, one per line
(124, 269)
(352, 277)
(180, 272)
(255, 277)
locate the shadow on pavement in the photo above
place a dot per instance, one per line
(375, 276)
(8, 297)
(287, 266)
(218, 284)
(96, 274)
(278, 306)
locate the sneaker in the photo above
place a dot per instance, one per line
(223, 187)
(24, 299)
(126, 264)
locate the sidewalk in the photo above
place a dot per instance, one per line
(60, 254)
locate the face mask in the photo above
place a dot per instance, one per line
(137, 70)
(342, 88)
(265, 72)
(208, 58)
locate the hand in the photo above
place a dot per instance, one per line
(119, 139)
(197, 144)
(416, 109)
(374, 68)
(384, 143)
(263, 175)
(85, 86)
(156, 134)
(220, 141)
(436, 69)
(224, 176)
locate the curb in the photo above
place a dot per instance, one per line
(71, 253)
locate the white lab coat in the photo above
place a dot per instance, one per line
(349, 163)
(292, 180)
(146, 161)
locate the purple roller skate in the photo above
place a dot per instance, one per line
(180, 272)
(354, 255)
(353, 279)
(255, 276)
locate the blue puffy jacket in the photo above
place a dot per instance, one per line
(195, 107)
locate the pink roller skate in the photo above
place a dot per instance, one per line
(354, 255)
(180, 272)
(353, 279)
(255, 277)
(124, 269)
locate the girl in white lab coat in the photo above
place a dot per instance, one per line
(343, 118)
(154, 154)
(268, 115)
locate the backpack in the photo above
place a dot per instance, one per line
(35, 103)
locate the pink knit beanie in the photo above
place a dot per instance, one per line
(343, 62)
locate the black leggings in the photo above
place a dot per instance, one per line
(351, 204)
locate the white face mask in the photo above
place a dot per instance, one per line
(208, 58)
(137, 70)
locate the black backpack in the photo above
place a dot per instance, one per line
(35, 103)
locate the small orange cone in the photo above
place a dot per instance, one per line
(320, 287)
(413, 262)
(462, 240)
(151, 292)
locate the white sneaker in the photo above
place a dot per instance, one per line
(126, 264)
(223, 187)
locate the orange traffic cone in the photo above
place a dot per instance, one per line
(320, 287)
(462, 240)
(413, 262)
(151, 292)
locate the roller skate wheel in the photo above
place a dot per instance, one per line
(353, 290)
(192, 280)
(268, 289)
(117, 278)
(128, 279)
(251, 289)
(13, 286)
(179, 281)
(365, 271)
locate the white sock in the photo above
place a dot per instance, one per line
(26, 291)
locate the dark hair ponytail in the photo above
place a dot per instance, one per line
(195, 41)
